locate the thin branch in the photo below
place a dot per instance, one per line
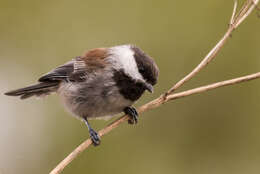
(258, 10)
(151, 105)
(233, 13)
(236, 20)
(210, 56)
(213, 86)
(248, 8)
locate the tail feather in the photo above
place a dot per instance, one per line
(37, 89)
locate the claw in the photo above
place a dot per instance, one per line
(133, 114)
(94, 137)
(93, 134)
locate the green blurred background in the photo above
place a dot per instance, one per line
(213, 132)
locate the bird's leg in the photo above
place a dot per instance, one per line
(131, 111)
(93, 134)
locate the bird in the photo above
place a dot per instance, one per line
(101, 83)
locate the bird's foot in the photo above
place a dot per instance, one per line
(93, 134)
(94, 137)
(131, 111)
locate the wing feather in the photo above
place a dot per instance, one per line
(73, 70)
(77, 69)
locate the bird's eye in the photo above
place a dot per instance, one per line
(141, 70)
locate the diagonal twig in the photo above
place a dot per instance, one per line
(235, 21)
(233, 13)
(151, 105)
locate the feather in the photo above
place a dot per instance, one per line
(37, 89)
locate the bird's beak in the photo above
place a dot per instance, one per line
(149, 87)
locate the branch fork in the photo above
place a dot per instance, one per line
(236, 19)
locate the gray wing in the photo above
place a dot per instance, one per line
(72, 71)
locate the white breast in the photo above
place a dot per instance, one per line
(122, 57)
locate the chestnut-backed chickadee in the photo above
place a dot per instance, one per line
(101, 83)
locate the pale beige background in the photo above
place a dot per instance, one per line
(214, 132)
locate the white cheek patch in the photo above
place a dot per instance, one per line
(122, 57)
